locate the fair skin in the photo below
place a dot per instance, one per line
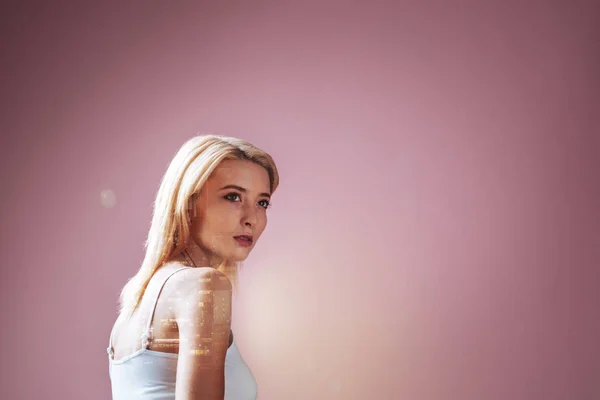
(193, 314)
(216, 220)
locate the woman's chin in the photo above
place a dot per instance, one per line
(239, 257)
(241, 254)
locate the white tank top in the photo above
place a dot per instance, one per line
(150, 375)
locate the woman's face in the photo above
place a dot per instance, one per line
(232, 202)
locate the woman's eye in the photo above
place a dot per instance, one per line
(232, 197)
(228, 196)
(266, 203)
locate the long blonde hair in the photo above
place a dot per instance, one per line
(170, 230)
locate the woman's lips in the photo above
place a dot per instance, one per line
(243, 241)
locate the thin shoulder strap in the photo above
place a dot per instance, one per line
(109, 349)
(146, 333)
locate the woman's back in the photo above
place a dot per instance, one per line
(144, 351)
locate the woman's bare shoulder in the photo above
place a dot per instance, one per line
(191, 280)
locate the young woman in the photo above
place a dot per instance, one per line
(172, 338)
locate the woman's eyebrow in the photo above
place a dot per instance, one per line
(241, 189)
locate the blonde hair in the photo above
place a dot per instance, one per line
(170, 230)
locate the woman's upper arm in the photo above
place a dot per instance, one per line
(204, 321)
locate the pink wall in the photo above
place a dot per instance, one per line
(436, 231)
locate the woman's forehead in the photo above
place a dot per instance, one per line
(243, 173)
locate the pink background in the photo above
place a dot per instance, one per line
(436, 232)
